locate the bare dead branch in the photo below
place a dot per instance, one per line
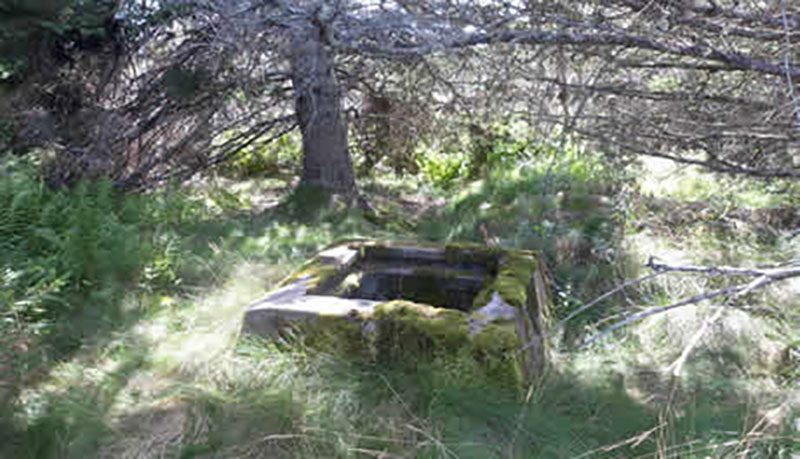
(786, 60)
(677, 366)
(763, 278)
(778, 273)
(619, 288)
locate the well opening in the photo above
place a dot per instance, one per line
(431, 276)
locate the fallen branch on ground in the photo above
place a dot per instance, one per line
(677, 366)
(762, 278)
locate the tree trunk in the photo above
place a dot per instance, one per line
(318, 104)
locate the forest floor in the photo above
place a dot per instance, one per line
(175, 379)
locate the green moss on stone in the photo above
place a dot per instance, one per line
(409, 333)
(406, 333)
(483, 297)
(379, 251)
(340, 336)
(318, 275)
(513, 275)
(349, 284)
(495, 348)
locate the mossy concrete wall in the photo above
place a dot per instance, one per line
(491, 331)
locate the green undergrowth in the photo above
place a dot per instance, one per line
(570, 208)
(736, 355)
(93, 279)
(64, 253)
(176, 269)
(277, 158)
(721, 220)
(257, 400)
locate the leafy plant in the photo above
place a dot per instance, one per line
(444, 168)
(277, 158)
(62, 248)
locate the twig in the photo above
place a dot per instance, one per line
(724, 270)
(786, 63)
(447, 451)
(660, 268)
(608, 294)
(652, 312)
(634, 440)
(772, 416)
(676, 366)
(766, 277)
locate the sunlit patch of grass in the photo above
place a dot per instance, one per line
(185, 347)
(732, 374)
(666, 179)
(192, 333)
(716, 407)
(749, 342)
(65, 416)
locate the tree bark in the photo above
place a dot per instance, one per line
(318, 104)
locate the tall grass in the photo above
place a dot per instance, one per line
(174, 379)
(563, 201)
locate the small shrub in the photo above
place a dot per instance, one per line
(278, 158)
(443, 168)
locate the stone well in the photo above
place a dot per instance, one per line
(405, 301)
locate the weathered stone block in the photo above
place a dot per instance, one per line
(408, 303)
